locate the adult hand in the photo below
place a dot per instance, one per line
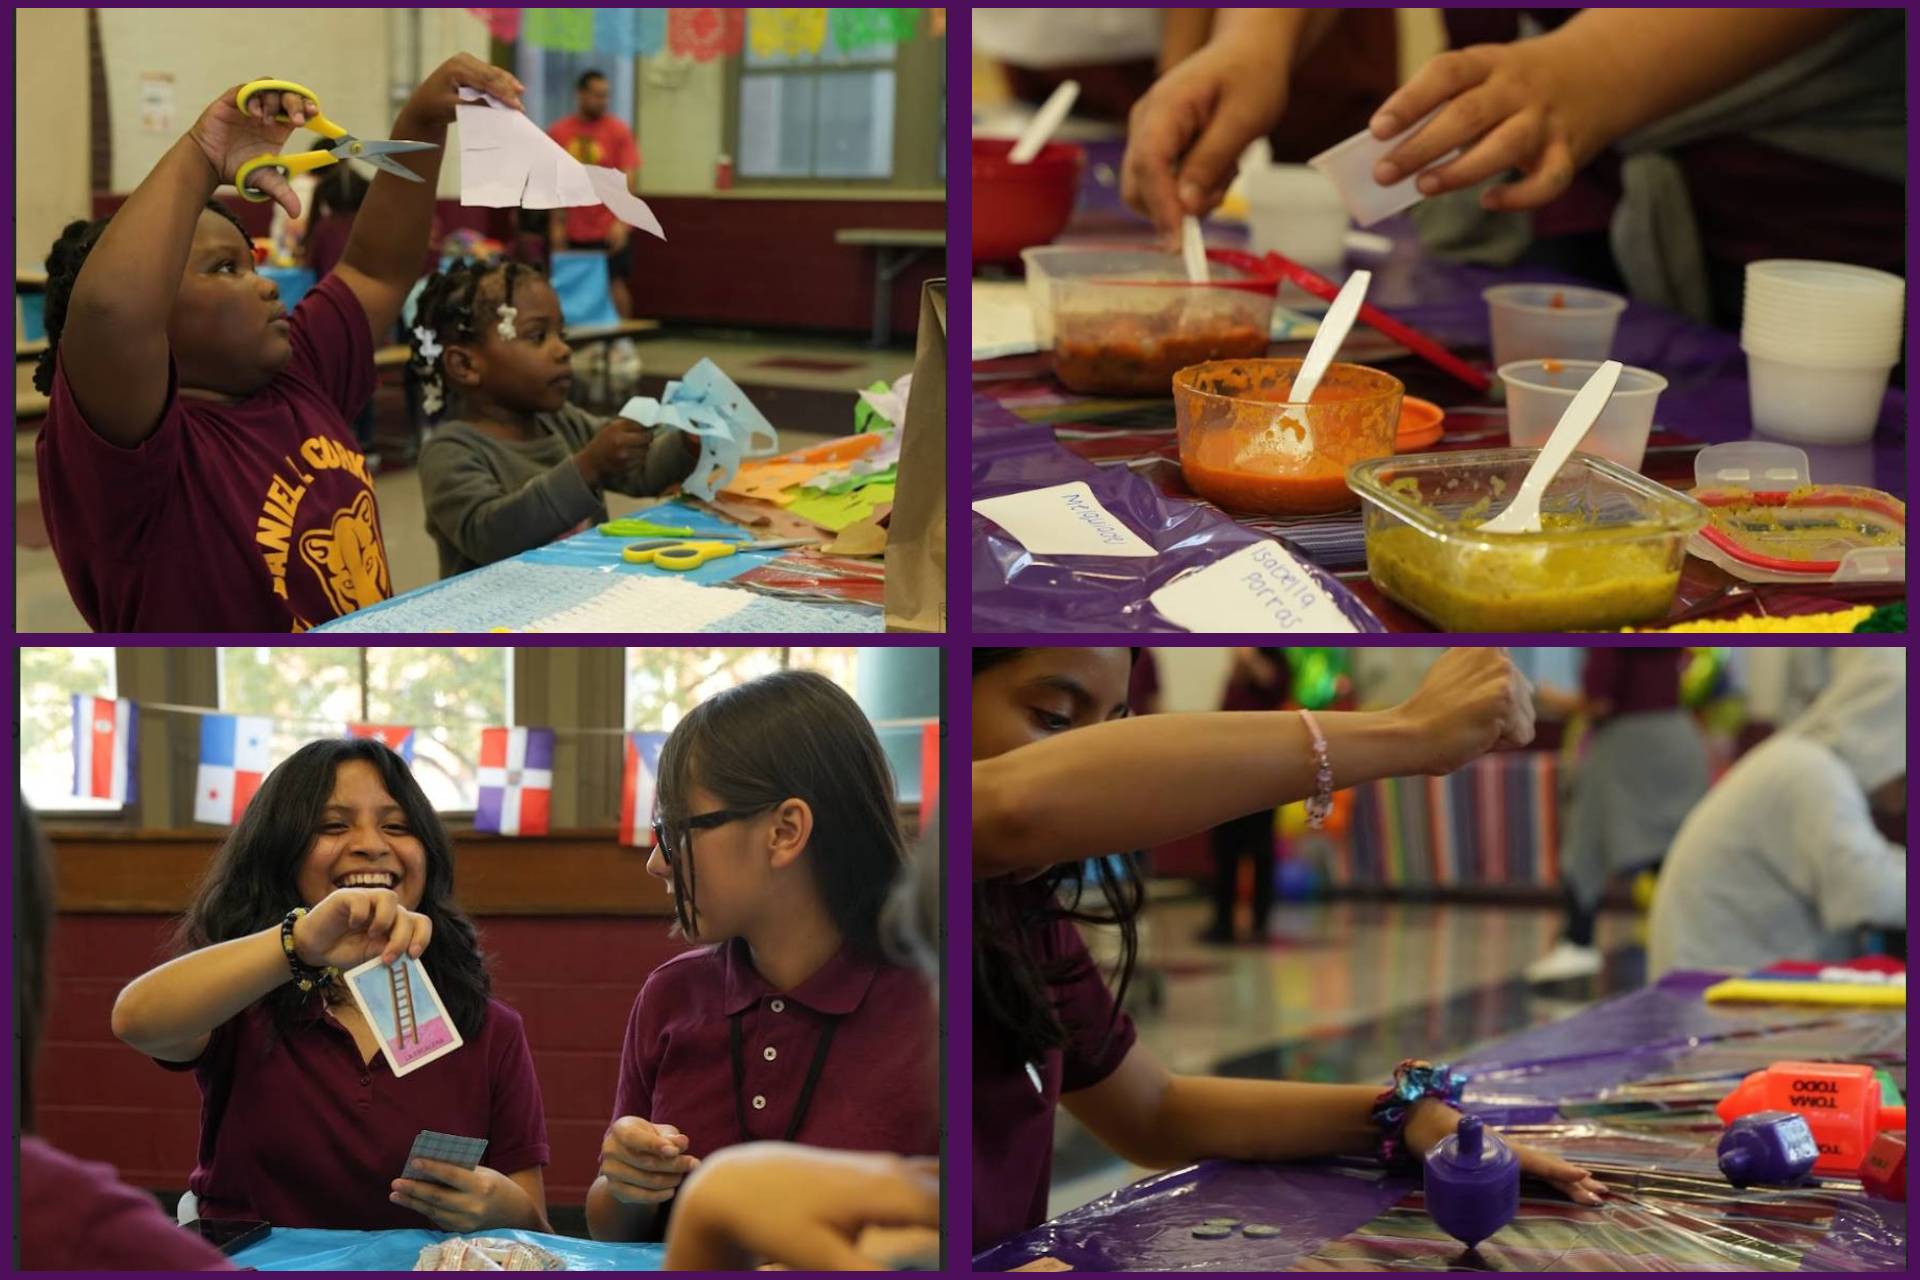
(618, 447)
(349, 926)
(229, 137)
(1431, 1120)
(644, 1163)
(457, 1199)
(434, 101)
(1524, 105)
(1184, 138)
(1471, 702)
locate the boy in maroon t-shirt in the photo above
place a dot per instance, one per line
(591, 136)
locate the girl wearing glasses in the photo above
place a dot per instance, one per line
(779, 841)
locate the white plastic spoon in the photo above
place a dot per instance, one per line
(1042, 126)
(1523, 513)
(1297, 443)
(1194, 250)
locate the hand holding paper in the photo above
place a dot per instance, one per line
(708, 404)
(507, 161)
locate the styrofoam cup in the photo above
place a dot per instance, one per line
(1293, 209)
(1537, 396)
(1814, 404)
(1349, 165)
(1527, 326)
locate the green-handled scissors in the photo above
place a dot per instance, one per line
(345, 145)
(680, 555)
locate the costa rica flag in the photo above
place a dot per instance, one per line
(234, 757)
(103, 744)
(397, 736)
(516, 781)
(639, 781)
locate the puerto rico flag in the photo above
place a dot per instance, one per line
(397, 736)
(929, 773)
(234, 757)
(637, 782)
(516, 781)
(103, 735)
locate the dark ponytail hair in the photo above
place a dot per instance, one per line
(1013, 989)
(64, 260)
(792, 735)
(451, 310)
(254, 879)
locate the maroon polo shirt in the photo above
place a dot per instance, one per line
(1630, 681)
(300, 1132)
(878, 1087)
(1012, 1118)
(76, 1215)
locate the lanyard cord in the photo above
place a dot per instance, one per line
(806, 1089)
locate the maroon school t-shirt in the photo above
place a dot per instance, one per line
(76, 1215)
(300, 1132)
(256, 516)
(879, 1084)
(1014, 1100)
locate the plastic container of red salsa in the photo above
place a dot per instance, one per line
(1125, 321)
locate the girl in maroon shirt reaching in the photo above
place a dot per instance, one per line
(1060, 774)
(303, 1124)
(778, 835)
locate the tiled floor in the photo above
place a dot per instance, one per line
(1342, 992)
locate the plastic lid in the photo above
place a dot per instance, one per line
(1771, 523)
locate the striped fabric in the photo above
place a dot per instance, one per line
(1493, 823)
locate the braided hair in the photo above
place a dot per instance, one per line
(64, 260)
(451, 310)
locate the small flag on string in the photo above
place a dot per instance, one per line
(516, 781)
(234, 758)
(103, 742)
(929, 772)
(639, 780)
(397, 736)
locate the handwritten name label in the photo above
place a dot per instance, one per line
(1063, 520)
(1260, 588)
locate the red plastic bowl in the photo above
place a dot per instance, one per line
(1016, 206)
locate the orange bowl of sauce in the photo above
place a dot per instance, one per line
(1246, 447)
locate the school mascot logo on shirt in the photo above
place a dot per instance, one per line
(343, 551)
(348, 557)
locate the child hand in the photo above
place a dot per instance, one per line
(434, 101)
(229, 137)
(456, 1199)
(1471, 702)
(1432, 1120)
(1508, 106)
(1184, 138)
(644, 1163)
(617, 448)
(352, 925)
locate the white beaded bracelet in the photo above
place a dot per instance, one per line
(1321, 802)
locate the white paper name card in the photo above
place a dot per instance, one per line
(1260, 588)
(1063, 520)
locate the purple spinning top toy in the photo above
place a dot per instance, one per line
(1472, 1183)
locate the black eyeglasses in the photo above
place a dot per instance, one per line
(699, 822)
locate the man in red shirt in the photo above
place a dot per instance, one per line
(591, 136)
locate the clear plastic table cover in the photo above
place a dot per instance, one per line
(311, 1249)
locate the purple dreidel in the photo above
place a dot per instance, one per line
(1772, 1148)
(1472, 1183)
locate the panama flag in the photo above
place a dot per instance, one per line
(397, 736)
(637, 783)
(233, 759)
(103, 732)
(516, 781)
(929, 772)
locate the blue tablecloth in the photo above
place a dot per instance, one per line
(309, 1249)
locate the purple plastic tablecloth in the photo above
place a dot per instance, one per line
(1658, 1033)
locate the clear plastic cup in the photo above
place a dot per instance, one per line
(1565, 322)
(1538, 392)
(1812, 403)
(1293, 209)
(1349, 165)
(1797, 344)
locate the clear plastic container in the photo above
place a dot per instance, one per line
(1126, 321)
(1565, 322)
(1771, 523)
(1243, 447)
(1609, 556)
(1539, 391)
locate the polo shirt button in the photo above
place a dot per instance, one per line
(778, 1006)
(759, 1102)
(769, 1053)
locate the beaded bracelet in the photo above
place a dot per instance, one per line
(1413, 1080)
(1320, 804)
(305, 976)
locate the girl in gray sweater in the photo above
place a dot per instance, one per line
(515, 466)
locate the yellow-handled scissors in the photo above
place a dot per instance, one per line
(680, 555)
(345, 145)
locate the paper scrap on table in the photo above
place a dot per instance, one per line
(507, 161)
(1260, 588)
(1063, 520)
(886, 405)
(862, 538)
(709, 404)
(835, 511)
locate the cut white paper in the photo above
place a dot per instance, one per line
(508, 161)
(1063, 520)
(1260, 588)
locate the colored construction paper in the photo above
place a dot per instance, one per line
(710, 405)
(835, 511)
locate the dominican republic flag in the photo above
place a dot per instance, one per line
(397, 736)
(929, 772)
(638, 779)
(516, 781)
(103, 732)
(233, 759)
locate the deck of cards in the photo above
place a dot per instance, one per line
(399, 1003)
(449, 1148)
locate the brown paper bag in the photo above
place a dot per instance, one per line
(917, 533)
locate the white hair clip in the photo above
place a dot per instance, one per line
(430, 399)
(429, 343)
(505, 328)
